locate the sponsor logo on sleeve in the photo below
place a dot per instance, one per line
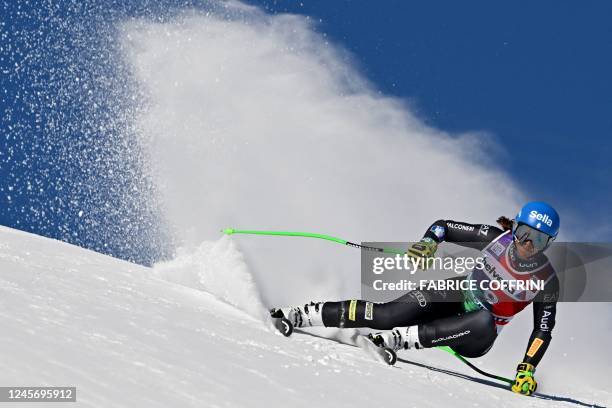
(438, 231)
(535, 346)
(544, 321)
(369, 311)
(484, 230)
(352, 310)
(462, 227)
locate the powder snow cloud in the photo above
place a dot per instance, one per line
(257, 121)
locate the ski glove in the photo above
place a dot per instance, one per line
(423, 251)
(524, 383)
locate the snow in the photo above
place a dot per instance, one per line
(193, 122)
(178, 335)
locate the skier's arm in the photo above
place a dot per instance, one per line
(475, 236)
(544, 311)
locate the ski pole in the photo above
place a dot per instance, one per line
(473, 367)
(230, 231)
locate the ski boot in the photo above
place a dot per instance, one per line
(398, 338)
(309, 315)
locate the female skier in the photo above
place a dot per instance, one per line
(468, 321)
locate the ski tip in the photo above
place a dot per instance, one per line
(228, 231)
(376, 350)
(390, 356)
(284, 326)
(281, 323)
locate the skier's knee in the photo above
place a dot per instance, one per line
(473, 350)
(483, 335)
(470, 334)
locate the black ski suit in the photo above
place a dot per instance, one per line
(441, 314)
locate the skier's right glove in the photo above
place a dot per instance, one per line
(524, 383)
(423, 251)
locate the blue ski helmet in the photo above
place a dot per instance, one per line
(540, 216)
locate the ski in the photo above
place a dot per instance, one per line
(282, 324)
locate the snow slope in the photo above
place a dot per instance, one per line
(131, 336)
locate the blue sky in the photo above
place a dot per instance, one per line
(534, 76)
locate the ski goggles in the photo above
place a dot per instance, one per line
(523, 233)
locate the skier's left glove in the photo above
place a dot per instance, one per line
(525, 383)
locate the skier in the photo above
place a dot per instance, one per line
(467, 321)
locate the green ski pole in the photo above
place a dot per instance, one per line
(473, 367)
(231, 231)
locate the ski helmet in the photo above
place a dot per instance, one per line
(538, 222)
